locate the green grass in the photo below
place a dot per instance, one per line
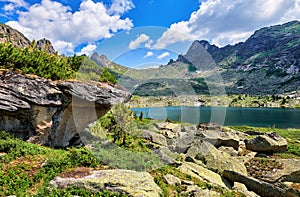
(26, 169)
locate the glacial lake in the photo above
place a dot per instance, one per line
(227, 116)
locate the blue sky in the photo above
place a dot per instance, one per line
(140, 32)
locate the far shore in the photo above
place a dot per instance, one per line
(243, 100)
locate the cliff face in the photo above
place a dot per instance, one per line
(45, 45)
(53, 113)
(17, 39)
(10, 35)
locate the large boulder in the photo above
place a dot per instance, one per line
(220, 138)
(270, 142)
(202, 173)
(213, 158)
(53, 113)
(128, 182)
(155, 137)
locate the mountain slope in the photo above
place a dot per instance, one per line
(10, 35)
(268, 62)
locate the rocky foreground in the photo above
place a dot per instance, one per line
(223, 158)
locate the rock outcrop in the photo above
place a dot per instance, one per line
(45, 45)
(202, 173)
(53, 113)
(122, 181)
(269, 142)
(10, 35)
(260, 187)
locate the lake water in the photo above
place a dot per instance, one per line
(228, 116)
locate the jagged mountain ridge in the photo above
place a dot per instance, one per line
(268, 62)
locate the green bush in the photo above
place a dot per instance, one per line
(30, 60)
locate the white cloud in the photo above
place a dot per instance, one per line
(143, 38)
(11, 5)
(67, 29)
(227, 22)
(120, 6)
(149, 54)
(163, 55)
(87, 50)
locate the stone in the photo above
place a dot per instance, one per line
(168, 134)
(259, 187)
(167, 156)
(53, 113)
(171, 179)
(219, 138)
(173, 127)
(201, 173)
(132, 183)
(239, 187)
(270, 142)
(215, 159)
(231, 151)
(186, 182)
(155, 137)
(194, 190)
(183, 142)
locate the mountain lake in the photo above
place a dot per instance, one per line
(227, 116)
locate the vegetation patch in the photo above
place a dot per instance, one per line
(262, 167)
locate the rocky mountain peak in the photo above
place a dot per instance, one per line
(10, 35)
(101, 60)
(45, 45)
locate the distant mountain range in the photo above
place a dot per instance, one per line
(268, 62)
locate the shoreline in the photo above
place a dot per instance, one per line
(243, 101)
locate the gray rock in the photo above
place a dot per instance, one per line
(155, 137)
(171, 179)
(53, 113)
(194, 190)
(231, 151)
(167, 156)
(132, 183)
(259, 187)
(239, 187)
(183, 143)
(45, 45)
(269, 142)
(219, 138)
(214, 159)
(10, 35)
(201, 173)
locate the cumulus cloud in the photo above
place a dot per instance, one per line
(68, 29)
(120, 6)
(143, 38)
(87, 50)
(11, 5)
(149, 54)
(163, 55)
(227, 22)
